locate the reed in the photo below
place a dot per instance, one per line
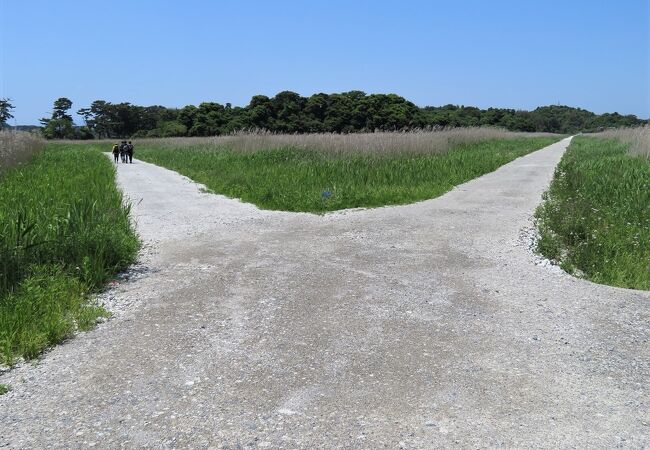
(378, 143)
(638, 139)
(18, 147)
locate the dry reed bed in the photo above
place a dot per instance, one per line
(418, 141)
(17, 147)
(637, 137)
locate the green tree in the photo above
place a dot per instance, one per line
(260, 112)
(210, 119)
(346, 112)
(287, 109)
(61, 107)
(86, 113)
(60, 125)
(101, 121)
(5, 111)
(187, 115)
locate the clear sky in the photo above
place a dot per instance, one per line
(520, 54)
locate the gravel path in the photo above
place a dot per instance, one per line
(418, 326)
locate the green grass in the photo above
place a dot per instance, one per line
(4, 389)
(595, 220)
(316, 181)
(64, 232)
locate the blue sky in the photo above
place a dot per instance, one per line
(519, 54)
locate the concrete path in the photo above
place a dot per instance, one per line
(419, 326)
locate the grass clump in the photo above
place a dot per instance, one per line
(44, 309)
(64, 231)
(595, 220)
(4, 389)
(298, 179)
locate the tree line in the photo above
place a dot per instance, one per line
(289, 112)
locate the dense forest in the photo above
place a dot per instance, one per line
(288, 112)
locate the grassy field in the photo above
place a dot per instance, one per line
(596, 218)
(347, 174)
(63, 233)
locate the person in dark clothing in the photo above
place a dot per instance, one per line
(129, 152)
(116, 152)
(123, 151)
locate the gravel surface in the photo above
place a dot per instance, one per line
(429, 325)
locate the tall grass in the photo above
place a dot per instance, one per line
(595, 220)
(638, 139)
(63, 231)
(328, 178)
(378, 143)
(18, 147)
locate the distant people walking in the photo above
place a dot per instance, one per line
(129, 152)
(123, 151)
(116, 153)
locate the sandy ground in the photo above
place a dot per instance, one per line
(419, 326)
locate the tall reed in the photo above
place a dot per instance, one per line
(17, 147)
(637, 137)
(379, 143)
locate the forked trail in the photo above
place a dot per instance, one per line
(426, 325)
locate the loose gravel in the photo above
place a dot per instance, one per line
(429, 325)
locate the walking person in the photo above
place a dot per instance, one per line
(123, 151)
(129, 152)
(116, 153)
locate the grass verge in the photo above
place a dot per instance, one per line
(64, 231)
(292, 179)
(595, 220)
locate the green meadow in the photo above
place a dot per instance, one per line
(317, 181)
